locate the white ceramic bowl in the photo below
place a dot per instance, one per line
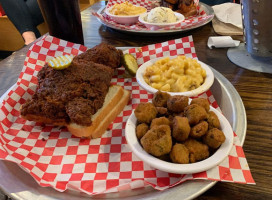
(204, 87)
(200, 166)
(156, 26)
(121, 19)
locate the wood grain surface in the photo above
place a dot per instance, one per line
(254, 88)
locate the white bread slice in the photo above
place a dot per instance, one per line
(115, 101)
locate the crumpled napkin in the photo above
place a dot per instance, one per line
(222, 42)
(229, 13)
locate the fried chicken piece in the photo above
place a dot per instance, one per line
(160, 99)
(168, 5)
(160, 121)
(195, 113)
(214, 138)
(198, 151)
(177, 103)
(202, 102)
(55, 100)
(213, 120)
(103, 54)
(79, 111)
(179, 154)
(141, 130)
(145, 112)
(181, 128)
(187, 8)
(157, 141)
(199, 130)
(172, 1)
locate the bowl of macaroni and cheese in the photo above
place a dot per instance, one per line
(125, 13)
(177, 75)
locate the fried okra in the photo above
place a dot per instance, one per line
(177, 103)
(199, 130)
(145, 112)
(198, 151)
(202, 102)
(179, 154)
(160, 99)
(181, 128)
(141, 130)
(162, 111)
(213, 120)
(160, 121)
(214, 138)
(195, 113)
(157, 141)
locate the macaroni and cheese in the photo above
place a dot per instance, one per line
(180, 74)
(126, 9)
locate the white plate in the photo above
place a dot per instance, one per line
(208, 10)
(203, 88)
(200, 166)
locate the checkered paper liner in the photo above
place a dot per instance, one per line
(56, 158)
(190, 22)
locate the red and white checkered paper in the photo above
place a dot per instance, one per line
(188, 23)
(56, 158)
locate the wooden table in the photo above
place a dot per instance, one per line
(254, 89)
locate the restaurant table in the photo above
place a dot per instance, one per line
(253, 87)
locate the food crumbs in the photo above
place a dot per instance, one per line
(140, 49)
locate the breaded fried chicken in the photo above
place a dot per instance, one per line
(103, 54)
(70, 95)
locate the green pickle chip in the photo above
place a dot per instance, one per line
(130, 63)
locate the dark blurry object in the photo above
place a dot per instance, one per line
(63, 19)
(186, 7)
(215, 2)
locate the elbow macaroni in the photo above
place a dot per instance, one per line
(180, 74)
(126, 8)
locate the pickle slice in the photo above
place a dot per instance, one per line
(130, 63)
(60, 62)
